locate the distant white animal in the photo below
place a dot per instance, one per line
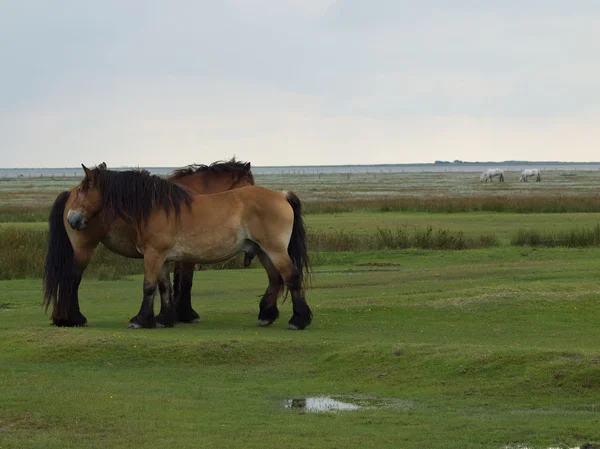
(528, 172)
(490, 173)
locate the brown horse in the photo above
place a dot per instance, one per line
(173, 225)
(69, 251)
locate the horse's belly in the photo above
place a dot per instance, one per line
(121, 242)
(207, 250)
(203, 256)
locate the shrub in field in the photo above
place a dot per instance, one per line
(387, 239)
(573, 238)
(22, 252)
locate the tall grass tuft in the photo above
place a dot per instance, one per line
(23, 249)
(573, 238)
(23, 214)
(387, 239)
(23, 252)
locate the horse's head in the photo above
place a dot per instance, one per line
(244, 178)
(88, 199)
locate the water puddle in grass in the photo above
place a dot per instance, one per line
(585, 446)
(320, 404)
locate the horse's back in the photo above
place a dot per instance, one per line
(218, 226)
(266, 205)
(236, 207)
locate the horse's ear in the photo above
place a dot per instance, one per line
(247, 167)
(88, 172)
(102, 166)
(89, 176)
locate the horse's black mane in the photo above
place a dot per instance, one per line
(232, 166)
(134, 194)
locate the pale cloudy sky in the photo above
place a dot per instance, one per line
(293, 82)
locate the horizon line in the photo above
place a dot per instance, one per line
(438, 162)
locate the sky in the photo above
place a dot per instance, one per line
(297, 82)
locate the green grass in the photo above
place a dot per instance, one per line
(23, 245)
(472, 224)
(503, 225)
(492, 347)
(24, 214)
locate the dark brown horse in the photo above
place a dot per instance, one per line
(173, 225)
(70, 251)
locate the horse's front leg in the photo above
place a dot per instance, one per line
(66, 309)
(153, 262)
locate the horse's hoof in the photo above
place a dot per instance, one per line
(160, 325)
(188, 319)
(134, 326)
(296, 323)
(264, 323)
(74, 321)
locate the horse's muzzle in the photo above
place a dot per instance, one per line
(76, 220)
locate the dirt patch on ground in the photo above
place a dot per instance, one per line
(377, 264)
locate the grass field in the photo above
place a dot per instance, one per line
(481, 348)
(484, 348)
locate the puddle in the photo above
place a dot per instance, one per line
(321, 404)
(585, 446)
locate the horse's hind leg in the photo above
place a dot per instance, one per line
(268, 304)
(167, 315)
(183, 296)
(153, 263)
(302, 316)
(177, 282)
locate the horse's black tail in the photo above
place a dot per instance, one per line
(297, 248)
(58, 270)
